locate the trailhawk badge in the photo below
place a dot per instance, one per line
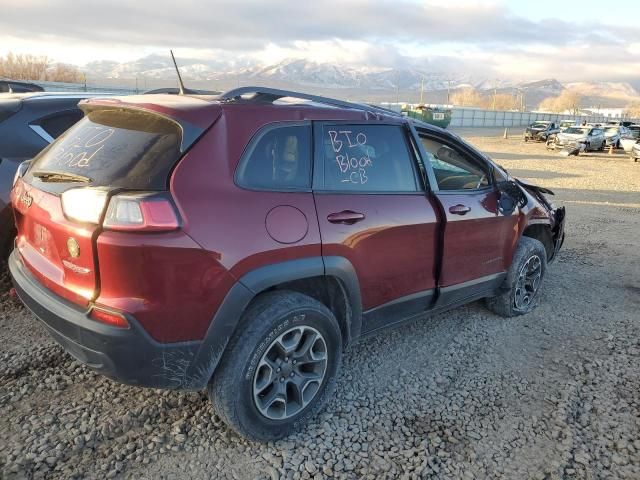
(73, 247)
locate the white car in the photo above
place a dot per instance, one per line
(583, 138)
(613, 135)
(630, 138)
(635, 152)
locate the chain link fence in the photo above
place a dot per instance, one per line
(472, 117)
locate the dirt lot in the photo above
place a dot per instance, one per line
(466, 394)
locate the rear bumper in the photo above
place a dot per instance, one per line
(128, 355)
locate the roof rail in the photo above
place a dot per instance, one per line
(268, 95)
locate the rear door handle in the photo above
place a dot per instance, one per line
(459, 209)
(346, 217)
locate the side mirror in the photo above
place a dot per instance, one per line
(511, 196)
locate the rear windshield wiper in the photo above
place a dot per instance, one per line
(52, 176)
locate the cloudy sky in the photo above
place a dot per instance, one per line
(566, 39)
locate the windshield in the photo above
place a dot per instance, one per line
(539, 125)
(577, 130)
(611, 130)
(116, 148)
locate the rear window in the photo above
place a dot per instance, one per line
(117, 148)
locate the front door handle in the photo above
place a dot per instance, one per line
(346, 217)
(459, 209)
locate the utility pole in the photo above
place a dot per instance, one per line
(448, 92)
(494, 98)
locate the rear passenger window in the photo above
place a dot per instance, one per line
(367, 158)
(279, 158)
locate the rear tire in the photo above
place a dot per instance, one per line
(272, 378)
(522, 285)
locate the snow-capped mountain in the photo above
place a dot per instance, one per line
(374, 84)
(295, 71)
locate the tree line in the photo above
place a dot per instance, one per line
(38, 68)
(569, 101)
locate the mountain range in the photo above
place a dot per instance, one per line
(345, 81)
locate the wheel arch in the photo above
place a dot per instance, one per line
(330, 280)
(542, 233)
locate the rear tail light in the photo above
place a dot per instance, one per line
(84, 204)
(110, 318)
(22, 169)
(125, 212)
(147, 212)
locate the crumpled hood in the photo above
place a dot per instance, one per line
(576, 137)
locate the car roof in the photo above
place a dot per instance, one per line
(271, 102)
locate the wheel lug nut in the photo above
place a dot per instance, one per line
(291, 374)
(286, 359)
(281, 379)
(295, 361)
(278, 370)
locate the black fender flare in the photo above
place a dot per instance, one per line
(228, 316)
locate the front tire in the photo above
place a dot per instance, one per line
(280, 368)
(522, 285)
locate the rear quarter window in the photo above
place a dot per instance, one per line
(117, 148)
(278, 158)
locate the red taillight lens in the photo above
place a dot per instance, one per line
(146, 212)
(110, 318)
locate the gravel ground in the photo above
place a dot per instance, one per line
(465, 394)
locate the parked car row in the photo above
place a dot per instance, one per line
(237, 244)
(574, 138)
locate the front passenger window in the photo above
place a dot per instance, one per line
(453, 169)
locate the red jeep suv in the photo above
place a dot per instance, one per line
(240, 242)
